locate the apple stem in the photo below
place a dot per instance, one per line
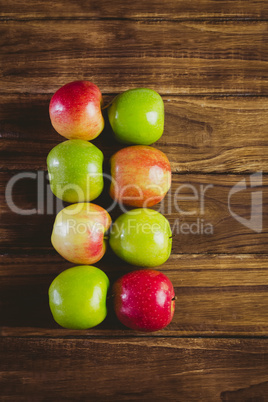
(170, 237)
(106, 106)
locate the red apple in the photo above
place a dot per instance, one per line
(75, 110)
(144, 300)
(78, 232)
(141, 176)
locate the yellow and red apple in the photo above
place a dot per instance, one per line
(78, 233)
(75, 110)
(141, 176)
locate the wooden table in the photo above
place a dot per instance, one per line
(208, 59)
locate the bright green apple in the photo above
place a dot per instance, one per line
(142, 237)
(77, 297)
(137, 116)
(75, 171)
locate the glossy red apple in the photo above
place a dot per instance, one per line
(141, 176)
(78, 232)
(75, 110)
(144, 300)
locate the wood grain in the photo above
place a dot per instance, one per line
(231, 293)
(252, 392)
(201, 134)
(172, 57)
(204, 270)
(198, 200)
(131, 369)
(175, 10)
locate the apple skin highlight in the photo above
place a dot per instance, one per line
(75, 110)
(144, 300)
(141, 176)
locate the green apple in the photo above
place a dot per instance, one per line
(141, 237)
(75, 171)
(77, 297)
(137, 116)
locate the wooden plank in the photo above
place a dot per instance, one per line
(216, 295)
(187, 270)
(172, 57)
(168, 9)
(196, 206)
(201, 134)
(133, 369)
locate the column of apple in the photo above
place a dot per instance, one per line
(141, 177)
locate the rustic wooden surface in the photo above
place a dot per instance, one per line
(208, 59)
